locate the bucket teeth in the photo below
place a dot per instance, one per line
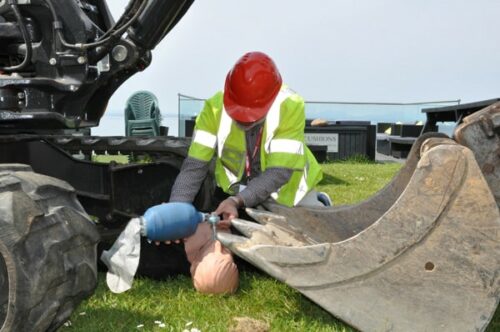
(231, 241)
(246, 228)
(264, 217)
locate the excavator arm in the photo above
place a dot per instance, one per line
(61, 60)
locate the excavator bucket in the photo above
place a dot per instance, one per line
(421, 255)
(480, 133)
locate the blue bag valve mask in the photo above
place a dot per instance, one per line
(174, 221)
(170, 221)
(164, 222)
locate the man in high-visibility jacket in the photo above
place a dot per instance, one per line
(255, 129)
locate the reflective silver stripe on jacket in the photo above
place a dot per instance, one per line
(287, 146)
(205, 138)
(273, 117)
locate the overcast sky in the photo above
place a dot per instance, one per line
(337, 50)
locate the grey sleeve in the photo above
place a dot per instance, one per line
(260, 188)
(188, 182)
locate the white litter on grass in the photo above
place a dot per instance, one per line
(193, 329)
(140, 326)
(160, 323)
(68, 323)
(82, 313)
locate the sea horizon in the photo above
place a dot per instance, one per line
(113, 121)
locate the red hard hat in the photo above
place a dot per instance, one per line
(251, 87)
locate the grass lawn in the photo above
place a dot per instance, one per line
(173, 305)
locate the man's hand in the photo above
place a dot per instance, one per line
(229, 210)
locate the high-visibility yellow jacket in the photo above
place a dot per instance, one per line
(282, 145)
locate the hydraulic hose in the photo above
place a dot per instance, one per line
(118, 32)
(108, 36)
(123, 18)
(26, 38)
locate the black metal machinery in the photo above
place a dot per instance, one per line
(60, 62)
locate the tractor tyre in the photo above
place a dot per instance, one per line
(48, 262)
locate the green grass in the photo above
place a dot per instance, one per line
(119, 159)
(176, 304)
(352, 182)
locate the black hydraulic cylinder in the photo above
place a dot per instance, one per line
(157, 19)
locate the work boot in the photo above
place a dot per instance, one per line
(324, 198)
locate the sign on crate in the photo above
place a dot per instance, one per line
(331, 140)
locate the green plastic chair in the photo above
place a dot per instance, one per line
(142, 115)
